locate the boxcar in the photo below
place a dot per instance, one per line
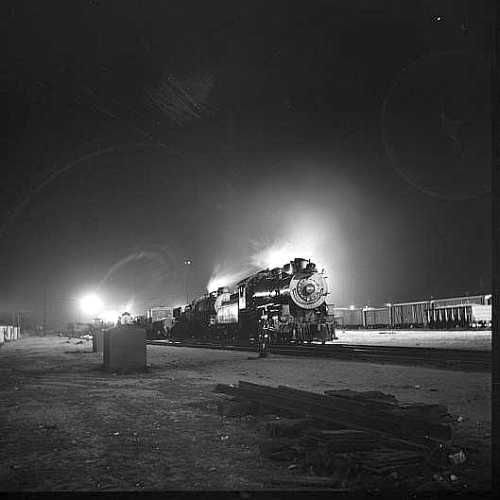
(345, 317)
(473, 299)
(377, 317)
(410, 314)
(460, 316)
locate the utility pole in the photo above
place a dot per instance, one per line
(45, 308)
(187, 263)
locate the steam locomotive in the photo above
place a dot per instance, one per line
(286, 303)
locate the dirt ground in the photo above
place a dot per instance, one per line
(65, 424)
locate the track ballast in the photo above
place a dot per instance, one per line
(451, 359)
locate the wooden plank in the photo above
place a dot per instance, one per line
(375, 397)
(310, 482)
(402, 425)
(226, 389)
(335, 417)
(288, 426)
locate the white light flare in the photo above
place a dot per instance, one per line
(110, 316)
(221, 279)
(304, 234)
(305, 237)
(280, 254)
(91, 304)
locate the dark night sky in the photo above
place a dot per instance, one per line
(144, 133)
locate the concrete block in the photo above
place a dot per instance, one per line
(124, 349)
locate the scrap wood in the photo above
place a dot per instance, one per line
(388, 455)
(341, 436)
(429, 412)
(330, 415)
(369, 397)
(323, 461)
(231, 390)
(377, 441)
(349, 437)
(381, 402)
(276, 448)
(288, 426)
(386, 422)
(382, 461)
(311, 482)
(321, 409)
(403, 424)
(236, 408)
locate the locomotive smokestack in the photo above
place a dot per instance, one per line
(299, 265)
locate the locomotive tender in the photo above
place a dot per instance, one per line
(288, 302)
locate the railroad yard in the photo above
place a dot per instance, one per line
(248, 248)
(69, 425)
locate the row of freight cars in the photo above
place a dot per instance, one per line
(9, 333)
(461, 312)
(158, 321)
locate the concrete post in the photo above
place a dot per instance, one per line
(124, 349)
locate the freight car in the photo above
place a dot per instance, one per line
(377, 317)
(286, 304)
(460, 316)
(409, 314)
(157, 322)
(472, 299)
(458, 312)
(348, 317)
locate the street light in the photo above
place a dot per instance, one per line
(90, 304)
(187, 263)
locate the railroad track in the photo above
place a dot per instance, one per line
(452, 359)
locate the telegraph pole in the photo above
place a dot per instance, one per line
(45, 308)
(187, 263)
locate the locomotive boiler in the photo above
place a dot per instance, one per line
(288, 302)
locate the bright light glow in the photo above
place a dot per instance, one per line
(228, 279)
(91, 304)
(352, 307)
(282, 253)
(110, 316)
(304, 237)
(303, 234)
(128, 307)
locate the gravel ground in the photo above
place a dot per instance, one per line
(68, 425)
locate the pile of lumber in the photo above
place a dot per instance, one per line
(364, 431)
